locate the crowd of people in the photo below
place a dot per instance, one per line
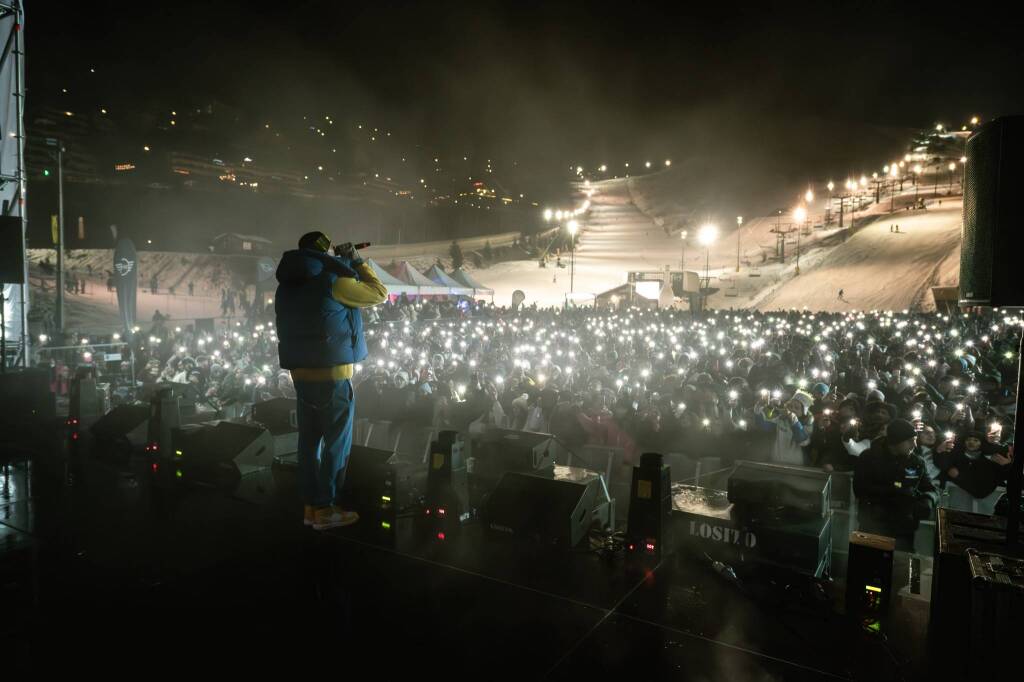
(911, 403)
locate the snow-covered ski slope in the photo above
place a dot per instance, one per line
(875, 267)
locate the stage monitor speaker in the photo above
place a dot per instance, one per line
(211, 443)
(12, 256)
(992, 234)
(545, 510)
(759, 486)
(648, 528)
(277, 414)
(497, 451)
(706, 522)
(121, 421)
(280, 416)
(372, 482)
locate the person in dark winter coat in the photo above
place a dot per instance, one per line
(892, 485)
(975, 465)
(321, 339)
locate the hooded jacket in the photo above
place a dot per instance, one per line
(319, 329)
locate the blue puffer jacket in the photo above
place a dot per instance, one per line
(313, 328)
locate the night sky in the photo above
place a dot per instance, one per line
(823, 86)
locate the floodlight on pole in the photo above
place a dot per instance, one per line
(707, 234)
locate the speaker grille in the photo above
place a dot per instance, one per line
(12, 256)
(990, 242)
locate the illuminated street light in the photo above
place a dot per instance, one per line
(974, 120)
(809, 196)
(603, 168)
(572, 226)
(707, 234)
(558, 215)
(548, 213)
(668, 162)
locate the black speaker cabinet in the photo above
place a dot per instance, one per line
(756, 486)
(207, 445)
(950, 616)
(547, 511)
(277, 414)
(989, 271)
(373, 483)
(869, 579)
(26, 400)
(497, 451)
(997, 609)
(280, 417)
(12, 256)
(447, 481)
(121, 422)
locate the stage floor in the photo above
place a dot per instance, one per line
(109, 565)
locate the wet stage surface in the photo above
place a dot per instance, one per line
(114, 561)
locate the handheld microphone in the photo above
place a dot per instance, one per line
(348, 246)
